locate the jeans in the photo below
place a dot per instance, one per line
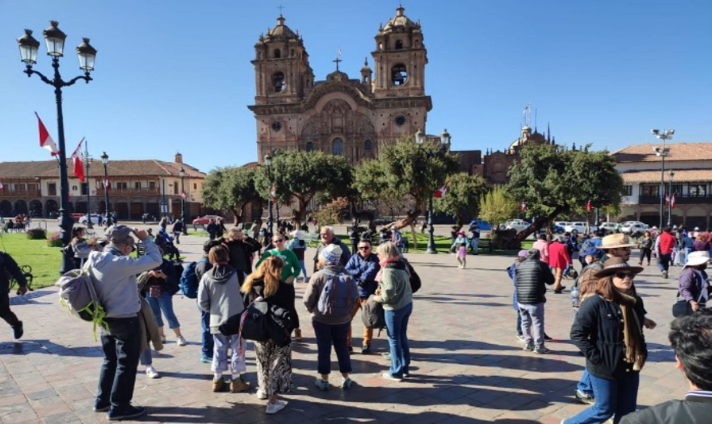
(208, 343)
(121, 346)
(326, 336)
(237, 356)
(533, 316)
(5, 312)
(164, 303)
(397, 328)
(176, 236)
(645, 253)
(475, 245)
(304, 268)
(367, 332)
(613, 397)
(664, 261)
(519, 324)
(146, 358)
(584, 385)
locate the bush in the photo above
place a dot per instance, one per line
(37, 234)
(55, 240)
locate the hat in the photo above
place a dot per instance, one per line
(118, 233)
(533, 253)
(697, 258)
(593, 251)
(297, 235)
(615, 241)
(331, 254)
(697, 229)
(460, 233)
(613, 265)
(523, 253)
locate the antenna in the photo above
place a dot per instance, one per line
(535, 115)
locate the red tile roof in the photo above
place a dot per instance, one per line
(678, 152)
(681, 175)
(116, 168)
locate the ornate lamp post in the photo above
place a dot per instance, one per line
(430, 152)
(54, 38)
(670, 193)
(105, 161)
(268, 232)
(662, 152)
(182, 197)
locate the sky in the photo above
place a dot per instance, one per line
(175, 75)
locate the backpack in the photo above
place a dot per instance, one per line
(189, 281)
(338, 297)
(260, 323)
(585, 245)
(373, 315)
(77, 294)
(415, 282)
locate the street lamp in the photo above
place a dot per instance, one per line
(54, 38)
(662, 152)
(182, 197)
(669, 221)
(430, 153)
(105, 161)
(87, 160)
(268, 233)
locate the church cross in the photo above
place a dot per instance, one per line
(280, 7)
(337, 60)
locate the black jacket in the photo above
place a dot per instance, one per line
(8, 270)
(281, 304)
(241, 253)
(531, 276)
(695, 409)
(598, 332)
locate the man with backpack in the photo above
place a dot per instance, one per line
(9, 268)
(113, 273)
(363, 268)
(241, 249)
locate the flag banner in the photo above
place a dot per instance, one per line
(588, 206)
(183, 196)
(273, 193)
(2, 187)
(524, 206)
(672, 201)
(667, 199)
(440, 193)
(77, 161)
(46, 141)
(106, 183)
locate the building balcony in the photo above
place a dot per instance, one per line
(679, 200)
(19, 194)
(129, 191)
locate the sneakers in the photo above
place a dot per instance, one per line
(151, 372)
(585, 398)
(665, 274)
(386, 356)
(181, 341)
(521, 338)
(541, 350)
(365, 350)
(218, 385)
(238, 385)
(261, 394)
(297, 335)
(547, 338)
(346, 383)
(388, 376)
(18, 330)
(321, 384)
(163, 339)
(126, 413)
(273, 408)
(529, 347)
(205, 360)
(101, 407)
(350, 348)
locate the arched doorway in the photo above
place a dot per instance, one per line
(51, 207)
(36, 209)
(20, 207)
(5, 208)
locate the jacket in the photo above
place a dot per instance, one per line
(364, 271)
(396, 292)
(114, 278)
(701, 246)
(202, 267)
(149, 328)
(559, 255)
(281, 303)
(345, 252)
(598, 332)
(690, 284)
(532, 275)
(695, 409)
(241, 253)
(9, 268)
(543, 247)
(511, 271)
(219, 294)
(666, 243)
(313, 292)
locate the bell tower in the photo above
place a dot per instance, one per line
(400, 58)
(282, 71)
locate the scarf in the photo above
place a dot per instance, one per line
(632, 335)
(383, 264)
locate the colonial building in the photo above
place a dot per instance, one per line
(340, 115)
(136, 187)
(691, 181)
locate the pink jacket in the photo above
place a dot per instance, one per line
(543, 247)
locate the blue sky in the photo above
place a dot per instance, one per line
(176, 75)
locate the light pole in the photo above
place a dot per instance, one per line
(669, 221)
(54, 39)
(87, 160)
(182, 197)
(268, 233)
(662, 152)
(105, 161)
(430, 153)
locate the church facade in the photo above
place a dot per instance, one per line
(341, 116)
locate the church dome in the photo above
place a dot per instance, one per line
(400, 22)
(281, 32)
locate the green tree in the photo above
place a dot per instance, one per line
(230, 189)
(496, 206)
(463, 193)
(552, 181)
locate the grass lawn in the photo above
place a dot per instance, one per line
(44, 260)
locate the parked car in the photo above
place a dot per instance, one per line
(634, 228)
(75, 217)
(94, 219)
(579, 226)
(610, 227)
(516, 224)
(204, 220)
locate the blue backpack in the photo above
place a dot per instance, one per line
(338, 297)
(189, 281)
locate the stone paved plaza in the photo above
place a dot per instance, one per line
(468, 367)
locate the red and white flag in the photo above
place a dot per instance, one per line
(273, 192)
(524, 206)
(672, 201)
(440, 193)
(588, 206)
(46, 141)
(77, 161)
(182, 195)
(667, 198)
(2, 187)
(106, 183)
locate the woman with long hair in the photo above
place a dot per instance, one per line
(274, 363)
(608, 330)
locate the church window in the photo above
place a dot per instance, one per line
(278, 82)
(337, 147)
(399, 75)
(291, 53)
(399, 44)
(277, 53)
(276, 126)
(400, 120)
(367, 145)
(310, 146)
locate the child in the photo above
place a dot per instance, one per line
(462, 254)
(520, 257)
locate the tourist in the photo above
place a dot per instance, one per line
(385, 235)
(462, 253)
(396, 295)
(9, 269)
(543, 247)
(363, 267)
(162, 284)
(398, 240)
(532, 277)
(149, 328)
(299, 247)
(274, 363)
(219, 294)
(559, 260)
(202, 266)
(113, 273)
(326, 234)
(690, 338)
(165, 242)
(511, 271)
(645, 245)
(664, 246)
(354, 235)
(608, 329)
(686, 246)
(242, 249)
(330, 329)
(177, 230)
(212, 229)
(693, 286)
(701, 244)
(80, 247)
(475, 241)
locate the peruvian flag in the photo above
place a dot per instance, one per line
(106, 183)
(440, 193)
(588, 206)
(77, 161)
(524, 206)
(2, 187)
(182, 195)
(273, 192)
(672, 201)
(667, 198)
(46, 139)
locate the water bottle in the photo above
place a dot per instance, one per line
(575, 297)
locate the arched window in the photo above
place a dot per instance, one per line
(367, 145)
(277, 53)
(278, 82)
(399, 74)
(310, 146)
(337, 147)
(291, 53)
(399, 44)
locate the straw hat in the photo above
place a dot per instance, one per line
(697, 258)
(613, 265)
(615, 241)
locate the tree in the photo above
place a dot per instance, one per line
(463, 193)
(552, 181)
(230, 189)
(496, 206)
(332, 212)
(302, 175)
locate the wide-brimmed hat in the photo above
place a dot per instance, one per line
(613, 265)
(697, 258)
(615, 241)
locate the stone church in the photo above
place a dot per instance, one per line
(341, 115)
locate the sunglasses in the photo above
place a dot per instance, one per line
(622, 275)
(278, 240)
(364, 247)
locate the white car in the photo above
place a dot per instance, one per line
(94, 219)
(610, 227)
(579, 226)
(562, 224)
(516, 224)
(634, 227)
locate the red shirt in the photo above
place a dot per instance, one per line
(667, 243)
(558, 255)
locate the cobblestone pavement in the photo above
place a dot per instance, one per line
(467, 364)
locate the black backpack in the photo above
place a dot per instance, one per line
(415, 282)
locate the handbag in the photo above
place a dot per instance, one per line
(682, 307)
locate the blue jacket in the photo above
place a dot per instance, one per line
(364, 272)
(512, 272)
